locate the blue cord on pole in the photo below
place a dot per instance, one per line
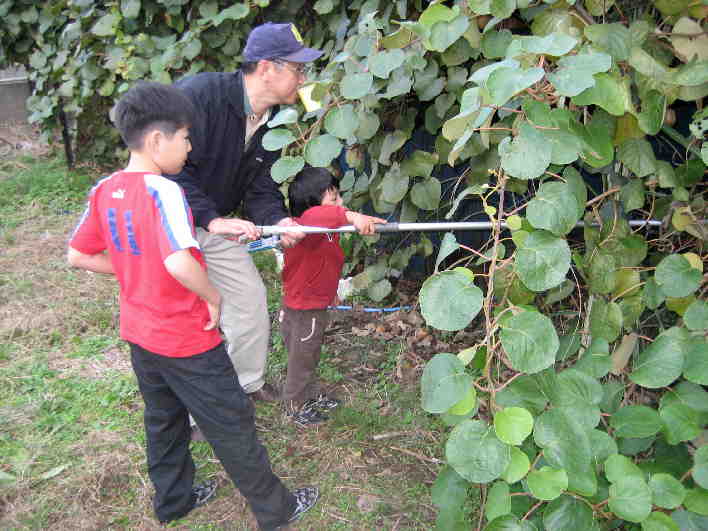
(371, 310)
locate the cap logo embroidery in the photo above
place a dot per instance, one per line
(296, 33)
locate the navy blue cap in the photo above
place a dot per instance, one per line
(278, 41)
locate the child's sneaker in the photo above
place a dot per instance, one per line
(306, 416)
(203, 492)
(323, 401)
(306, 498)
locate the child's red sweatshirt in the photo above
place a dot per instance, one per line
(313, 266)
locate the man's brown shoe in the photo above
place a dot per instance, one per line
(267, 393)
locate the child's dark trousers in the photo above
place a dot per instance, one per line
(206, 386)
(303, 334)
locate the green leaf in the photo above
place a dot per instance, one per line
(235, 12)
(381, 64)
(619, 466)
(697, 501)
(444, 34)
(542, 261)
(554, 208)
(419, 164)
(394, 185)
(475, 453)
(288, 115)
(691, 74)
(614, 38)
(495, 43)
(498, 501)
(107, 25)
(449, 489)
(555, 44)
(667, 491)
(547, 483)
(632, 195)
(652, 116)
(518, 466)
(342, 121)
(509, 522)
(504, 83)
(448, 246)
(513, 424)
(449, 301)
(444, 381)
(638, 155)
(527, 156)
(323, 6)
(659, 522)
(630, 499)
(688, 521)
(523, 392)
(676, 277)
(696, 368)
(276, 139)
(599, 150)
(466, 405)
(605, 320)
(568, 513)
(368, 125)
(635, 421)
(379, 290)
(610, 92)
(356, 86)
(6, 479)
(426, 194)
(696, 316)
(566, 445)
(530, 340)
(285, 167)
(392, 142)
(320, 151)
(700, 466)
(645, 64)
(575, 388)
(575, 72)
(130, 8)
(602, 446)
(680, 422)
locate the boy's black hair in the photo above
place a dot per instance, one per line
(307, 189)
(149, 105)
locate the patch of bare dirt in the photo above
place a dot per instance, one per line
(20, 138)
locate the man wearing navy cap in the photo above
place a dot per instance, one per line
(228, 171)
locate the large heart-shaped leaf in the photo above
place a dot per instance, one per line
(286, 167)
(475, 452)
(504, 83)
(614, 38)
(610, 92)
(636, 421)
(276, 139)
(530, 340)
(342, 121)
(638, 156)
(542, 261)
(676, 276)
(547, 483)
(426, 194)
(381, 64)
(513, 424)
(322, 150)
(667, 491)
(356, 86)
(449, 301)
(444, 381)
(554, 208)
(660, 363)
(567, 512)
(575, 72)
(528, 155)
(630, 499)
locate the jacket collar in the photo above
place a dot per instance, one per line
(237, 94)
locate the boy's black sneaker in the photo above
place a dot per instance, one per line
(306, 497)
(306, 416)
(203, 492)
(322, 401)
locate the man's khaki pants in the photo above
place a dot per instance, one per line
(244, 309)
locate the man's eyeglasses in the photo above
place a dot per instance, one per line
(301, 69)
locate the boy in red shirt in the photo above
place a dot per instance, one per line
(138, 227)
(310, 279)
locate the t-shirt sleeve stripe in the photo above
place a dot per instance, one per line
(170, 202)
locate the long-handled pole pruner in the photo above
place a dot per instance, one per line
(275, 230)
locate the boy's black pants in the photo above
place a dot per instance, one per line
(206, 386)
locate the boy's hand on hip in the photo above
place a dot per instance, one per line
(234, 228)
(214, 314)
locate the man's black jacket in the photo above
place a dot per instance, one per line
(219, 175)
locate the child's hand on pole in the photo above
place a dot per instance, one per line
(365, 225)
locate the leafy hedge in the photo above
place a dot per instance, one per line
(582, 406)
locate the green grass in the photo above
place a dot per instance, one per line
(72, 440)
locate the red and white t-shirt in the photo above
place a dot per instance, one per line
(142, 218)
(313, 266)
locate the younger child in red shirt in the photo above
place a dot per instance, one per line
(310, 279)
